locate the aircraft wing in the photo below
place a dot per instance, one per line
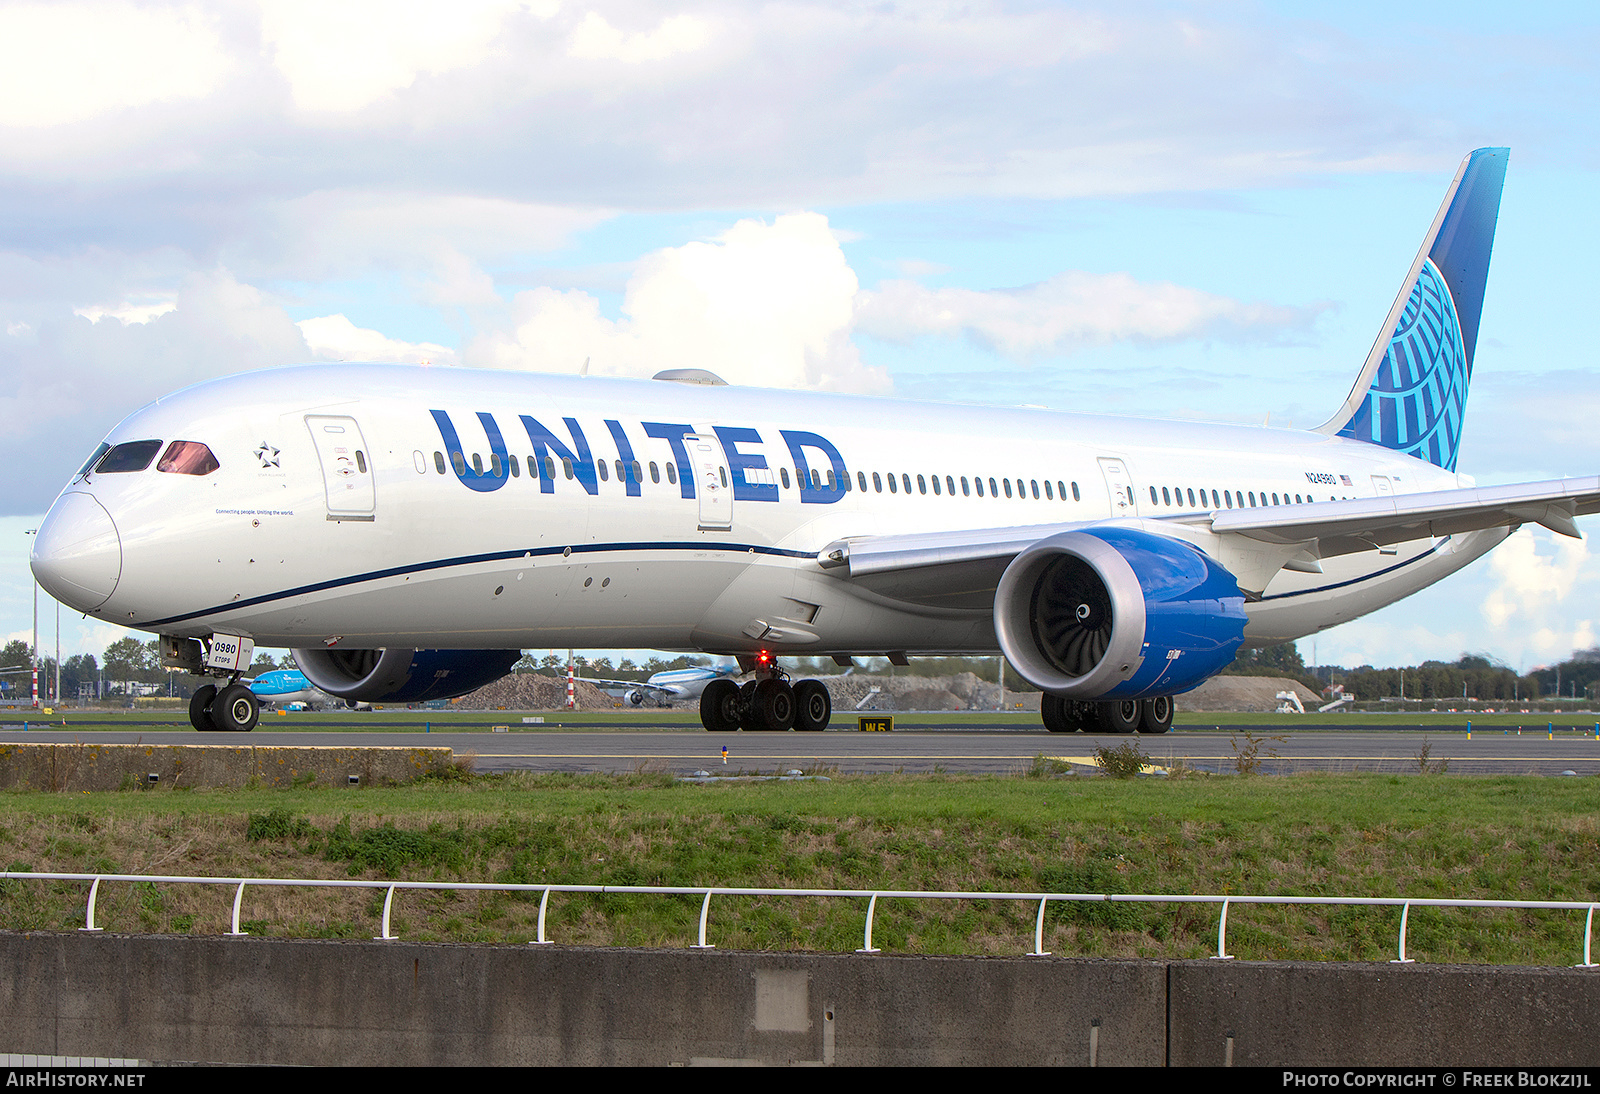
(959, 570)
(1360, 524)
(622, 684)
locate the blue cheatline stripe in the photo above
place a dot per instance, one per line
(600, 548)
(1358, 580)
(471, 560)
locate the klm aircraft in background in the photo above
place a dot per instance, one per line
(282, 687)
(668, 686)
(407, 531)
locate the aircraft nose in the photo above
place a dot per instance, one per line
(77, 555)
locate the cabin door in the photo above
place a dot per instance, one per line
(713, 487)
(346, 468)
(1119, 483)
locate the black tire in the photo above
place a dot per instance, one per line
(773, 705)
(813, 706)
(235, 709)
(1058, 714)
(1156, 714)
(719, 706)
(200, 707)
(1119, 717)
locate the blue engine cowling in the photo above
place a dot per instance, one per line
(403, 676)
(1117, 613)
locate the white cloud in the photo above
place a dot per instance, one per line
(335, 232)
(127, 312)
(342, 55)
(1069, 310)
(1536, 575)
(335, 338)
(63, 63)
(597, 40)
(74, 379)
(763, 304)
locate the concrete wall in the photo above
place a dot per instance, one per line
(275, 1001)
(81, 766)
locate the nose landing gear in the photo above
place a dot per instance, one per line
(231, 709)
(231, 706)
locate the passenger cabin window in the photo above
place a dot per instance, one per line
(438, 462)
(672, 473)
(783, 475)
(189, 458)
(458, 463)
(655, 472)
(861, 481)
(877, 483)
(1075, 492)
(128, 456)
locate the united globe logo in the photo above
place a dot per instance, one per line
(1419, 391)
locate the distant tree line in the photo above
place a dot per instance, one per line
(130, 667)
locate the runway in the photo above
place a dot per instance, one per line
(996, 750)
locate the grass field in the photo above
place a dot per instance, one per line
(1345, 835)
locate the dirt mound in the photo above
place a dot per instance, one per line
(1245, 694)
(532, 691)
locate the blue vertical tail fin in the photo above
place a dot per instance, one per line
(1412, 391)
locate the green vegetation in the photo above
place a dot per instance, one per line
(1347, 835)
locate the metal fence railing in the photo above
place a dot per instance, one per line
(872, 896)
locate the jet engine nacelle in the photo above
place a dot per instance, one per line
(401, 675)
(635, 697)
(1117, 613)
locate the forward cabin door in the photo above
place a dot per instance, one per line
(1119, 484)
(713, 487)
(346, 467)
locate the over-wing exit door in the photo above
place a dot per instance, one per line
(1119, 483)
(346, 470)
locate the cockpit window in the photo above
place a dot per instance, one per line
(187, 458)
(128, 456)
(90, 462)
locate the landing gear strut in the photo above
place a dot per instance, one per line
(769, 702)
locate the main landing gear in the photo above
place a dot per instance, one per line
(769, 702)
(232, 708)
(1123, 716)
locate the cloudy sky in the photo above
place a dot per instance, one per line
(1180, 210)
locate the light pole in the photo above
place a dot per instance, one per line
(34, 653)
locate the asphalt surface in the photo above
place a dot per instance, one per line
(997, 749)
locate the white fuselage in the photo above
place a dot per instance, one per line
(289, 543)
